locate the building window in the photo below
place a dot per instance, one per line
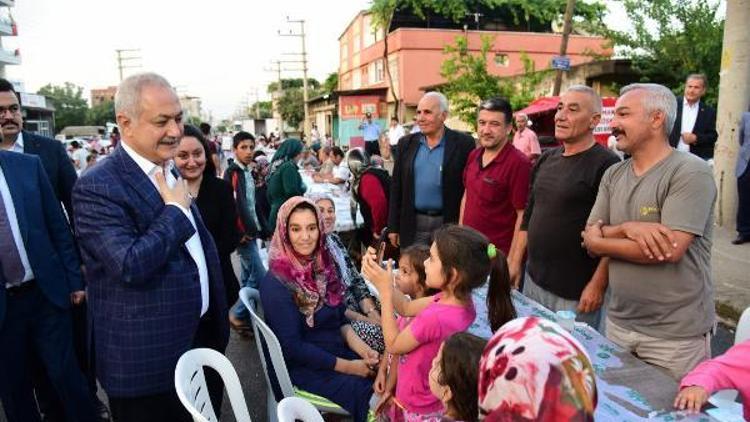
(356, 79)
(376, 72)
(502, 60)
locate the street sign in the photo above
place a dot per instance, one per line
(561, 62)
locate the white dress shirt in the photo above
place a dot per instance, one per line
(341, 171)
(689, 116)
(394, 134)
(193, 244)
(10, 211)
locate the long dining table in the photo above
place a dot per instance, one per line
(628, 388)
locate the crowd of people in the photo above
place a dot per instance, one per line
(112, 275)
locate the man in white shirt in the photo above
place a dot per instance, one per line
(154, 279)
(340, 174)
(395, 132)
(695, 126)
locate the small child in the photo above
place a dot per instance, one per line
(455, 375)
(410, 281)
(460, 261)
(730, 370)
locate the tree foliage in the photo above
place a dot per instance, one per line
(331, 83)
(101, 114)
(671, 39)
(291, 106)
(467, 78)
(264, 107)
(70, 106)
(312, 84)
(468, 81)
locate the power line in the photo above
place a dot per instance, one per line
(123, 59)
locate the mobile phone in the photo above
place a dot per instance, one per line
(382, 244)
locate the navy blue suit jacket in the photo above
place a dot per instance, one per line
(57, 164)
(144, 292)
(743, 155)
(704, 130)
(46, 236)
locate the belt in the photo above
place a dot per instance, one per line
(21, 288)
(430, 213)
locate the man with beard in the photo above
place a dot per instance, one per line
(653, 218)
(497, 184)
(152, 270)
(559, 274)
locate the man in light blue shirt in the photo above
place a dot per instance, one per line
(371, 133)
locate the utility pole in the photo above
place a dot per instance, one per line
(567, 28)
(279, 92)
(123, 59)
(734, 97)
(301, 34)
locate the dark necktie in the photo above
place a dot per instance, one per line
(13, 270)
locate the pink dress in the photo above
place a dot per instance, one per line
(430, 328)
(728, 371)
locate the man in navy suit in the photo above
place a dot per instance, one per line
(152, 271)
(743, 182)
(57, 164)
(39, 278)
(695, 126)
(62, 177)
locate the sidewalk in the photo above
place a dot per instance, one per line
(731, 275)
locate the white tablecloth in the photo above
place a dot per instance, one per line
(341, 199)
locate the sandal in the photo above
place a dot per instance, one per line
(241, 327)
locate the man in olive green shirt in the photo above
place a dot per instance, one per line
(653, 218)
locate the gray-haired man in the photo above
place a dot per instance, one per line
(653, 218)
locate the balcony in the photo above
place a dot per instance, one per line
(10, 57)
(9, 3)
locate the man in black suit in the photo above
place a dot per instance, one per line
(427, 184)
(62, 177)
(695, 126)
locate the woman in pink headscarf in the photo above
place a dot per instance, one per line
(303, 300)
(534, 370)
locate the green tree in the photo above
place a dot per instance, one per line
(312, 84)
(331, 83)
(467, 78)
(101, 114)
(265, 108)
(70, 106)
(671, 39)
(533, 15)
(291, 107)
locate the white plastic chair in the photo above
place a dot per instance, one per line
(743, 327)
(251, 299)
(190, 384)
(293, 409)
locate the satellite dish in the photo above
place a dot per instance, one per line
(558, 24)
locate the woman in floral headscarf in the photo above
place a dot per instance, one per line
(534, 370)
(303, 299)
(363, 310)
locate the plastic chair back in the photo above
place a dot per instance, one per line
(192, 390)
(743, 327)
(293, 409)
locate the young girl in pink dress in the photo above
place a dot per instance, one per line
(460, 260)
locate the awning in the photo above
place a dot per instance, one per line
(540, 105)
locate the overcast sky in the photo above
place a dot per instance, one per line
(215, 49)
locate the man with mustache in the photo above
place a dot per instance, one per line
(426, 186)
(152, 270)
(497, 184)
(653, 218)
(62, 176)
(559, 274)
